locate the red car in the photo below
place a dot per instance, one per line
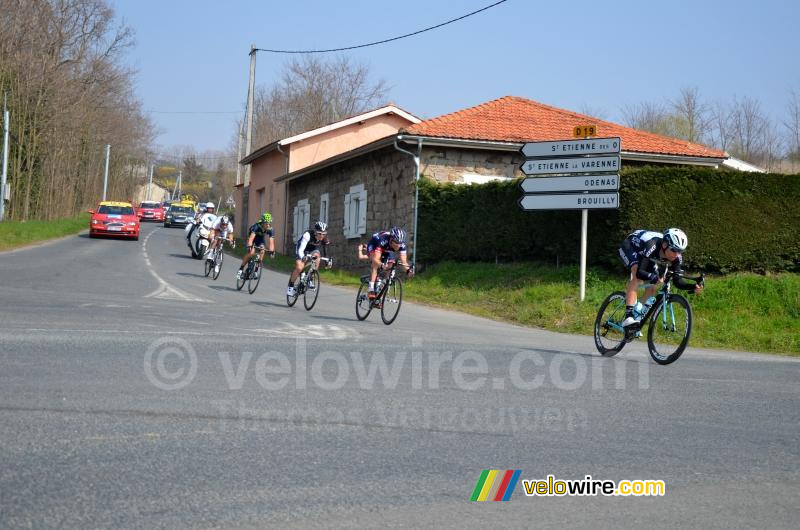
(151, 211)
(116, 219)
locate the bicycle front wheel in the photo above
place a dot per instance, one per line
(609, 336)
(253, 278)
(310, 295)
(218, 263)
(363, 303)
(244, 276)
(670, 328)
(291, 300)
(390, 301)
(209, 266)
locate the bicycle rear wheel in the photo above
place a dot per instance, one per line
(310, 295)
(391, 299)
(363, 303)
(254, 278)
(218, 263)
(609, 336)
(670, 328)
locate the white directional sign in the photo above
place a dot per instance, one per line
(591, 146)
(570, 201)
(582, 183)
(554, 166)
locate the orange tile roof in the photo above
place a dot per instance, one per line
(515, 119)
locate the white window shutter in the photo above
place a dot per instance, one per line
(362, 212)
(346, 227)
(295, 220)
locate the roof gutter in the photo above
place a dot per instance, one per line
(460, 142)
(672, 159)
(416, 158)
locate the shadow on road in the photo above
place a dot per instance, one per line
(324, 317)
(182, 256)
(191, 274)
(222, 288)
(267, 304)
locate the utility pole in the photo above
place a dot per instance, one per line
(250, 91)
(105, 174)
(150, 184)
(3, 189)
(180, 184)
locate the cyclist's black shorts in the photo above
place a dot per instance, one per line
(259, 241)
(628, 254)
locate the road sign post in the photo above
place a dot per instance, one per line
(594, 159)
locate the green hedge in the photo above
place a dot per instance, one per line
(735, 221)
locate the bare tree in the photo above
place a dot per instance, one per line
(750, 129)
(647, 116)
(692, 118)
(593, 112)
(792, 125)
(720, 125)
(68, 96)
(311, 93)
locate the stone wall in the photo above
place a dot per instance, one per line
(449, 164)
(388, 178)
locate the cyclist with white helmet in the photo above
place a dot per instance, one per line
(381, 245)
(222, 227)
(257, 237)
(308, 246)
(642, 252)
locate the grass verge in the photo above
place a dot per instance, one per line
(741, 311)
(15, 234)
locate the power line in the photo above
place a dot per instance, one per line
(384, 40)
(193, 111)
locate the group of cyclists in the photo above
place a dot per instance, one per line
(310, 245)
(646, 254)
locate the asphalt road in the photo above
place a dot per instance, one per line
(280, 422)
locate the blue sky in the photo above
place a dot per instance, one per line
(192, 56)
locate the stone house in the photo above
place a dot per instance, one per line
(373, 187)
(263, 192)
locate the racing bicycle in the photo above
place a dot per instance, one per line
(251, 274)
(214, 259)
(308, 283)
(669, 321)
(388, 294)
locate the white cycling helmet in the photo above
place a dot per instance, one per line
(210, 206)
(676, 239)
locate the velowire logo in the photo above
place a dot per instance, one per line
(495, 485)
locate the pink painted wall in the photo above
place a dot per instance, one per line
(304, 153)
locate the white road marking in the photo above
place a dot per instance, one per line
(165, 290)
(309, 331)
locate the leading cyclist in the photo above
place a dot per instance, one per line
(642, 252)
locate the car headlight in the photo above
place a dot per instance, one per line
(131, 224)
(95, 222)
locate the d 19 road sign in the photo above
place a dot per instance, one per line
(592, 146)
(552, 166)
(570, 201)
(583, 183)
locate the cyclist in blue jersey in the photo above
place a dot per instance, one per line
(381, 245)
(642, 252)
(257, 237)
(310, 245)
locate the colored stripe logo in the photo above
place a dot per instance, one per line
(496, 485)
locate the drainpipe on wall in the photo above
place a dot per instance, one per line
(416, 189)
(285, 198)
